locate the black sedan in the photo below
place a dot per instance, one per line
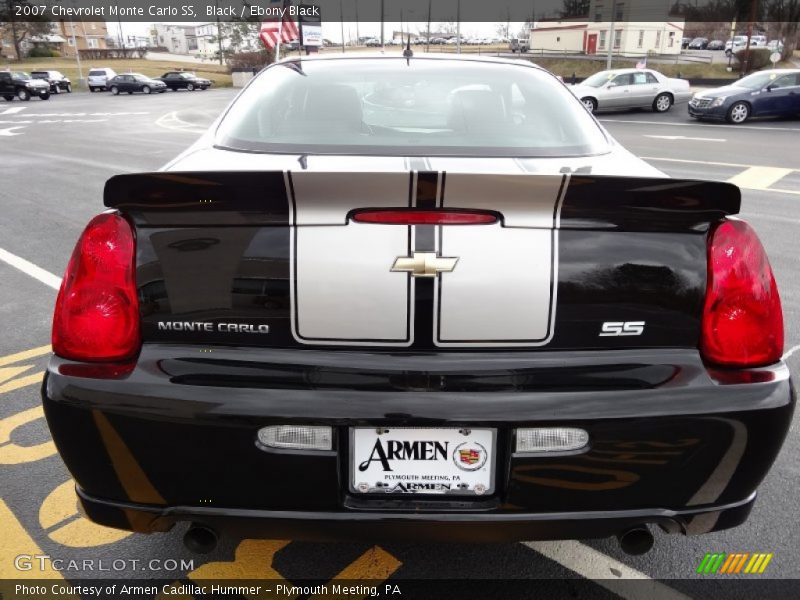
(380, 300)
(181, 80)
(135, 82)
(773, 93)
(716, 45)
(698, 44)
(58, 82)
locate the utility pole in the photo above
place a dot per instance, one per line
(341, 21)
(458, 27)
(219, 32)
(428, 29)
(383, 16)
(745, 67)
(611, 34)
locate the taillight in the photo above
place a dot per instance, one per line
(742, 317)
(97, 312)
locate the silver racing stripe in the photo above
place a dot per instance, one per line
(342, 289)
(503, 292)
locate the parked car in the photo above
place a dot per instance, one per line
(758, 40)
(771, 93)
(184, 80)
(715, 45)
(58, 83)
(685, 43)
(775, 45)
(290, 45)
(17, 84)
(99, 77)
(135, 82)
(373, 43)
(737, 43)
(698, 43)
(538, 335)
(618, 89)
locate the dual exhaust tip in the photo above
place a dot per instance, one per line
(201, 539)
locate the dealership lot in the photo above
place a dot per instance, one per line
(54, 159)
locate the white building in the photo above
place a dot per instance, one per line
(177, 39)
(635, 28)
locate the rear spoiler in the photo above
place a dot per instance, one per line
(265, 198)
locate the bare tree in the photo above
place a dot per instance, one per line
(785, 15)
(20, 30)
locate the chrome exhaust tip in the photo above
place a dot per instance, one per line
(636, 540)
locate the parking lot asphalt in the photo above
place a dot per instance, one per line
(54, 159)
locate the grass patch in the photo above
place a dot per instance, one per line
(217, 73)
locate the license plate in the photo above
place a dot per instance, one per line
(403, 460)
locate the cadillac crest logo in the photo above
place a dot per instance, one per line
(469, 456)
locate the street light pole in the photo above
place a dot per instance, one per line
(611, 34)
(77, 53)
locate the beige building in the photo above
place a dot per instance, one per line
(626, 38)
(86, 35)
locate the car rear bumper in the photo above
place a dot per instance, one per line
(413, 527)
(671, 442)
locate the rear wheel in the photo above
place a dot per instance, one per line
(190, 87)
(45, 96)
(738, 113)
(23, 94)
(146, 89)
(69, 88)
(590, 104)
(115, 90)
(662, 103)
(56, 89)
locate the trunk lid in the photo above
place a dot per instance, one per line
(275, 259)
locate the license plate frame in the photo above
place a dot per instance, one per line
(471, 473)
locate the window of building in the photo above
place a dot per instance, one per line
(619, 11)
(598, 13)
(658, 39)
(71, 41)
(671, 39)
(602, 39)
(617, 38)
(641, 38)
(92, 43)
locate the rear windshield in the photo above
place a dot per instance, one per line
(386, 106)
(39, 75)
(97, 73)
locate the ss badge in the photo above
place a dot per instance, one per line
(620, 328)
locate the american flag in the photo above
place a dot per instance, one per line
(273, 31)
(642, 64)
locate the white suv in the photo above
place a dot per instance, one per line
(99, 78)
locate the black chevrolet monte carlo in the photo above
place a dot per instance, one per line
(416, 298)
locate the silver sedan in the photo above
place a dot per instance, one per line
(619, 89)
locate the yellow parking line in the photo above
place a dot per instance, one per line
(24, 355)
(16, 542)
(9, 372)
(759, 178)
(375, 565)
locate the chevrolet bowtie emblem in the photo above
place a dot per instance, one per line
(424, 264)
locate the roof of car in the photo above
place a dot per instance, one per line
(417, 56)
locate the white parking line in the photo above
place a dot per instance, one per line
(27, 267)
(604, 570)
(759, 178)
(683, 137)
(718, 125)
(14, 110)
(791, 351)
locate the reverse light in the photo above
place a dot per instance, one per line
(296, 437)
(742, 316)
(97, 312)
(551, 439)
(393, 216)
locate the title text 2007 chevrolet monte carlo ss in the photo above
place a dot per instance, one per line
(418, 298)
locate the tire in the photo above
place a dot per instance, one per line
(738, 113)
(91, 90)
(56, 90)
(146, 89)
(69, 88)
(8, 98)
(115, 90)
(44, 96)
(590, 104)
(23, 94)
(190, 87)
(662, 103)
